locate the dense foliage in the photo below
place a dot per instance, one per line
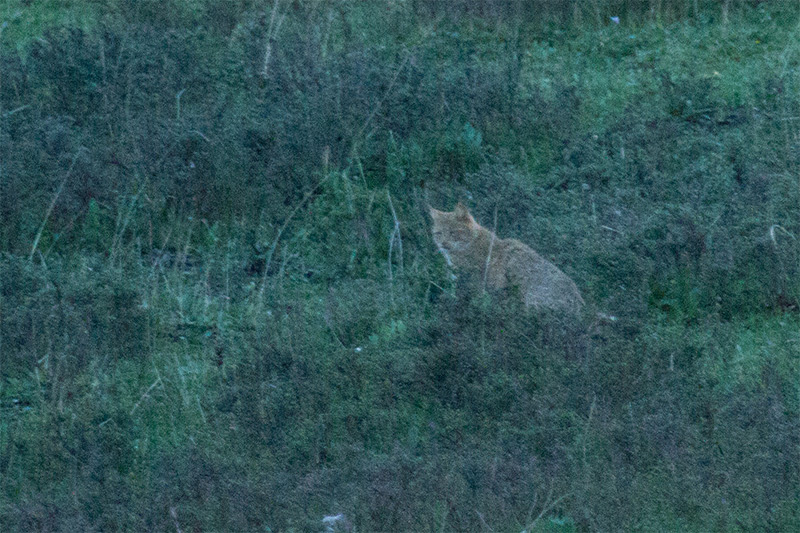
(221, 307)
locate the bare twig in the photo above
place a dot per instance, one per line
(15, 110)
(546, 507)
(489, 254)
(178, 104)
(283, 228)
(122, 225)
(377, 107)
(389, 258)
(395, 235)
(53, 202)
(609, 228)
(782, 230)
(529, 516)
(272, 33)
(145, 395)
(173, 513)
(586, 428)
(483, 521)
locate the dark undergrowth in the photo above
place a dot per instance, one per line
(221, 308)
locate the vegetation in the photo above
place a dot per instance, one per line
(221, 308)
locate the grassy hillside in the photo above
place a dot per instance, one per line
(221, 307)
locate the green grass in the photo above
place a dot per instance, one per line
(24, 22)
(221, 327)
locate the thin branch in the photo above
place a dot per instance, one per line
(53, 202)
(609, 228)
(178, 105)
(586, 428)
(283, 228)
(483, 521)
(272, 32)
(173, 513)
(396, 233)
(122, 225)
(145, 395)
(489, 254)
(545, 508)
(16, 110)
(380, 102)
(782, 230)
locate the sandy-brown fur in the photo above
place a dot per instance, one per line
(503, 263)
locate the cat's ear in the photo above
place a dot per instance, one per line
(462, 213)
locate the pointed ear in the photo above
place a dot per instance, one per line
(463, 213)
(433, 212)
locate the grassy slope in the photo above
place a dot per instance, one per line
(328, 395)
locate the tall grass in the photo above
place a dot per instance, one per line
(227, 312)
